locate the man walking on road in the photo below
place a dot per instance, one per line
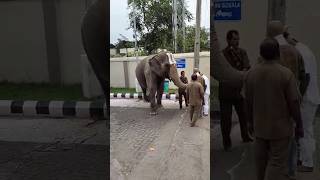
(272, 97)
(230, 96)
(182, 92)
(195, 93)
(291, 59)
(310, 101)
(202, 82)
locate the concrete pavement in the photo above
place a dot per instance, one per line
(52, 148)
(157, 147)
(238, 164)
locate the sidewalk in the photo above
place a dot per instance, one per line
(238, 164)
(180, 152)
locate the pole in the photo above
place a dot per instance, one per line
(135, 31)
(138, 89)
(175, 25)
(197, 38)
(277, 10)
(183, 27)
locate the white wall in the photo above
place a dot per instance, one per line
(22, 42)
(117, 70)
(303, 17)
(69, 16)
(251, 27)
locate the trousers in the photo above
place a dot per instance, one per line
(271, 157)
(206, 104)
(307, 143)
(226, 119)
(194, 113)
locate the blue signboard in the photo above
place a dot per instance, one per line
(227, 10)
(181, 63)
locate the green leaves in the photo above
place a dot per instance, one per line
(154, 21)
(190, 39)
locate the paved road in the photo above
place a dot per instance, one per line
(47, 148)
(157, 147)
(238, 164)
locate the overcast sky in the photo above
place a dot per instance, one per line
(119, 19)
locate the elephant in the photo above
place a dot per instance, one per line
(95, 40)
(151, 73)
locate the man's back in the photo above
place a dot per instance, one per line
(195, 93)
(201, 80)
(269, 88)
(183, 79)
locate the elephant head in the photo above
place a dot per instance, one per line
(164, 66)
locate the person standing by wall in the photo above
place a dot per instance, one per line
(202, 82)
(292, 59)
(230, 96)
(272, 97)
(195, 93)
(182, 92)
(206, 95)
(310, 101)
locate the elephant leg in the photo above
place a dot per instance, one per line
(160, 92)
(152, 98)
(152, 87)
(142, 82)
(146, 98)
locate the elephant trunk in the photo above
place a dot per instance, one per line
(175, 77)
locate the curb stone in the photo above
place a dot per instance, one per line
(79, 109)
(140, 96)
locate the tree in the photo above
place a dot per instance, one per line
(154, 22)
(124, 44)
(190, 38)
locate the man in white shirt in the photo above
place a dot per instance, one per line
(309, 105)
(206, 94)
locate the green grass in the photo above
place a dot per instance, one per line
(122, 90)
(43, 91)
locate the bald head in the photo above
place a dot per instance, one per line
(269, 49)
(275, 28)
(196, 70)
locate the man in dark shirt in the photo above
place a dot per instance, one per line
(182, 92)
(195, 94)
(230, 96)
(273, 100)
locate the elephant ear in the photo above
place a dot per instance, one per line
(155, 64)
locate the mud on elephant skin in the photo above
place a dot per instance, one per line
(151, 73)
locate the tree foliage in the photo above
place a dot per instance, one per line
(124, 44)
(190, 35)
(154, 22)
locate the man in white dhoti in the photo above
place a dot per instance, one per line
(309, 105)
(206, 95)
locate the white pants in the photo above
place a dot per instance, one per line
(206, 104)
(307, 143)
